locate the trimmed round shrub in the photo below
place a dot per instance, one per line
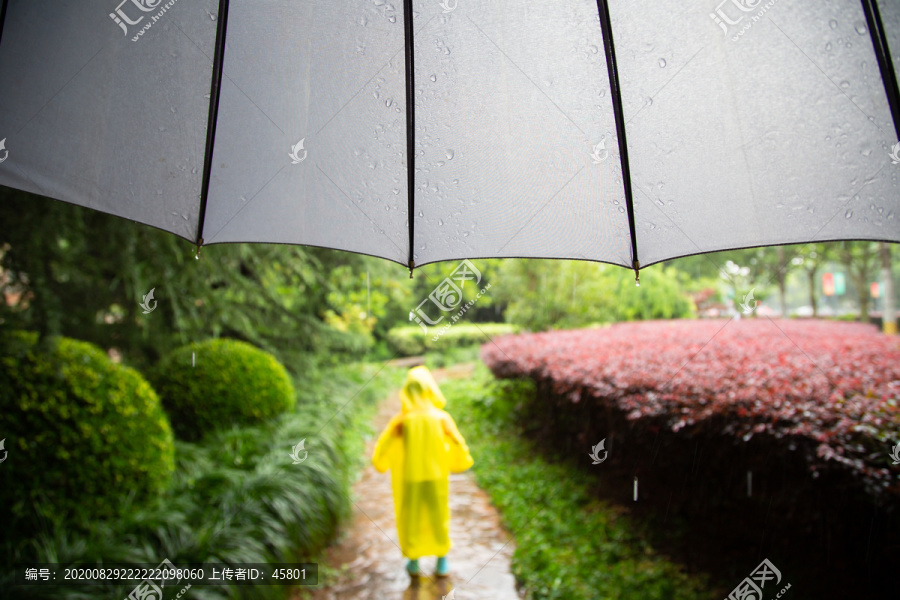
(215, 384)
(82, 432)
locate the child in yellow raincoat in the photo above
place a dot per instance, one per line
(422, 446)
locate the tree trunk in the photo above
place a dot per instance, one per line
(782, 282)
(888, 316)
(862, 290)
(811, 275)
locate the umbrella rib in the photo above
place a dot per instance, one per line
(616, 93)
(3, 4)
(215, 90)
(410, 126)
(883, 54)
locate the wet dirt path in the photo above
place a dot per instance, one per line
(375, 568)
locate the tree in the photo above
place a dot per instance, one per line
(860, 259)
(811, 260)
(84, 274)
(888, 316)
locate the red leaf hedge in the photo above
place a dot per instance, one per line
(836, 384)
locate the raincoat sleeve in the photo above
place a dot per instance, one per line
(458, 452)
(389, 449)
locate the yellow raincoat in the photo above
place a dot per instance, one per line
(422, 446)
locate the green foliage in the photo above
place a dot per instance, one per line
(567, 294)
(410, 340)
(236, 497)
(211, 385)
(83, 273)
(568, 545)
(82, 432)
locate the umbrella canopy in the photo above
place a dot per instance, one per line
(447, 129)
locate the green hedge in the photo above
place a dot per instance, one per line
(569, 545)
(82, 432)
(410, 340)
(236, 496)
(215, 384)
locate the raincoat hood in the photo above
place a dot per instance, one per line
(420, 391)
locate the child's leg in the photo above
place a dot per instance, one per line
(442, 567)
(412, 567)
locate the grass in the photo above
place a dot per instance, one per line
(568, 545)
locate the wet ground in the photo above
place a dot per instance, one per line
(375, 568)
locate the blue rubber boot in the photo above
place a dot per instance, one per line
(442, 568)
(412, 567)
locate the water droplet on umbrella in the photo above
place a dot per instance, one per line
(456, 181)
(845, 84)
(388, 102)
(421, 214)
(450, 154)
(433, 77)
(649, 101)
(184, 216)
(206, 96)
(212, 17)
(861, 29)
(363, 21)
(194, 171)
(833, 24)
(172, 109)
(396, 191)
(621, 209)
(161, 128)
(662, 63)
(159, 192)
(440, 221)
(441, 163)
(828, 47)
(392, 19)
(593, 49)
(848, 214)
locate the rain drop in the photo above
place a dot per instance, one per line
(848, 214)
(662, 63)
(161, 128)
(456, 182)
(396, 191)
(194, 171)
(172, 109)
(861, 29)
(450, 154)
(392, 19)
(440, 221)
(649, 101)
(845, 85)
(159, 192)
(388, 102)
(593, 49)
(621, 209)
(212, 17)
(433, 77)
(833, 24)
(421, 214)
(441, 163)
(828, 47)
